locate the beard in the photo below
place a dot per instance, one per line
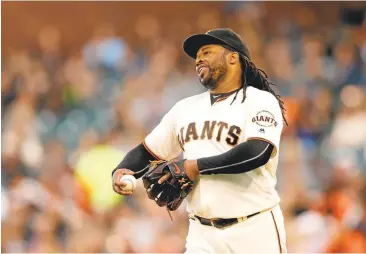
(214, 76)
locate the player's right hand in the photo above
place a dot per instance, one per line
(117, 184)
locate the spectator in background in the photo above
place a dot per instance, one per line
(49, 49)
(347, 63)
(348, 137)
(280, 66)
(106, 50)
(311, 230)
(314, 68)
(80, 82)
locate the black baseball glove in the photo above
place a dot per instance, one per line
(175, 187)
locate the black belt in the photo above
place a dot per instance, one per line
(222, 223)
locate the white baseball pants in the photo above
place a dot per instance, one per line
(263, 233)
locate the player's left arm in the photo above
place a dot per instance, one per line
(262, 134)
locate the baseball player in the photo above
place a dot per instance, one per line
(230, 139)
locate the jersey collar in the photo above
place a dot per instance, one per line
(221, 96)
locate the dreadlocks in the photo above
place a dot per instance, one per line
(253, 76)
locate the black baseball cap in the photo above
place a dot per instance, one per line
(220, 36)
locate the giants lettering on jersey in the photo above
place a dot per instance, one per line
(265, 118)
(191, 133)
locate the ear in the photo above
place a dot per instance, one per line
(233, 58)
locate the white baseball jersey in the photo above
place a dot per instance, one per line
(198, 129)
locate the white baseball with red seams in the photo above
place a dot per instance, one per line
(130, 182)
(198, 129)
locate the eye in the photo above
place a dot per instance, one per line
(206, 53)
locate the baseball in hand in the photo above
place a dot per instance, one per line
(130, 182)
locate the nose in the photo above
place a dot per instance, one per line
(198, 61)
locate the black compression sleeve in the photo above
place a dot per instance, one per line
(242, 158)
(136, 160)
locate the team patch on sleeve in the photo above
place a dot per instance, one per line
(265, 118)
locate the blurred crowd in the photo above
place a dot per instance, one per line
(69, 117)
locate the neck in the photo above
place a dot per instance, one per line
(229, 84)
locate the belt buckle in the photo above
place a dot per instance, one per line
(226, 225)
(212, 222)
(241, 219)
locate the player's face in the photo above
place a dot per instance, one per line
(211, 65)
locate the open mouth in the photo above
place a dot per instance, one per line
(201, 68)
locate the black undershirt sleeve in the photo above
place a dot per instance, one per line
(136, 160)
(242, 158)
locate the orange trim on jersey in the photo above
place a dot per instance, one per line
(151, 152)
(278, 234)
(180, 144)
(274, 152)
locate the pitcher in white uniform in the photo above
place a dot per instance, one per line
(230, 140)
